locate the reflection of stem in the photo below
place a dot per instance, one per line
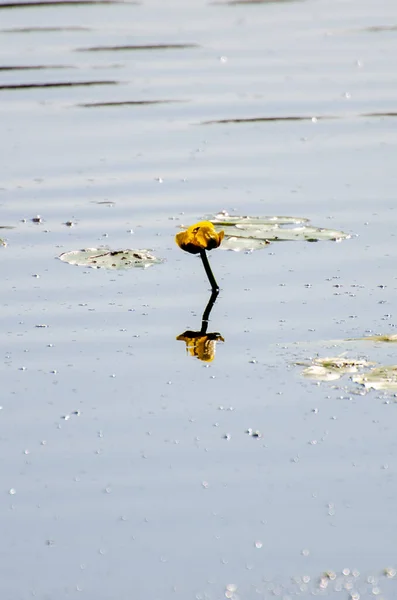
(210, 275)
(206, 314)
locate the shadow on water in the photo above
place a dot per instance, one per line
(42, 29)
(295, 118)
(373, 29)
(268, 119)
(201, 344)
(139, 47)
(34, 67)
(380, 114)
(41, 3)
(59, 84)
(127, 103)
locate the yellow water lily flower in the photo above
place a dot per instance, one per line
(201, 346)
(198, 237)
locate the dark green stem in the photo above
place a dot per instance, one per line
(210, 275)
(206, 314)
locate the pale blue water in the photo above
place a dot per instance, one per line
(140, 494)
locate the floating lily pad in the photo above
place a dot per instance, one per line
(380, 378)
(224, 219)
(331, 368)
(105, 258)
(231, 242)
(254, 233)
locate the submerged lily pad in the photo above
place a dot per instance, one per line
(379, 378)
(331, 368)
(254, 233)
(105, 258)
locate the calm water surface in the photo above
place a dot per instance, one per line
(127, 469)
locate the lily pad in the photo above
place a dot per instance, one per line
(254, 233)
(379, 378)
(331, 368)
(224, 219)
(236, 243)
(105, 258)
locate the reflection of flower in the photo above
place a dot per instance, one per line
(201, 236)
(200, 345)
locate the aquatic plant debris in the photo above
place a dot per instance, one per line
(390, 338)
(379, 378)
(332, 368)
(105, 258)
(255, 233)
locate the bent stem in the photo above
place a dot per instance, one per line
(206, 314)
(210, 275)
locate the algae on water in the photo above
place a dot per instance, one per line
(391, 337)
(332, 368)
(379, 378)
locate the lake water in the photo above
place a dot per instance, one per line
(129, 468)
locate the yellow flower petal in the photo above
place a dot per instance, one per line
(200, 236)
(201, 346)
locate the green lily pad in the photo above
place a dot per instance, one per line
(331, 368)
(254, 233)
(231, 242)
(105, 258)
(223, 218)
(379, 378)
